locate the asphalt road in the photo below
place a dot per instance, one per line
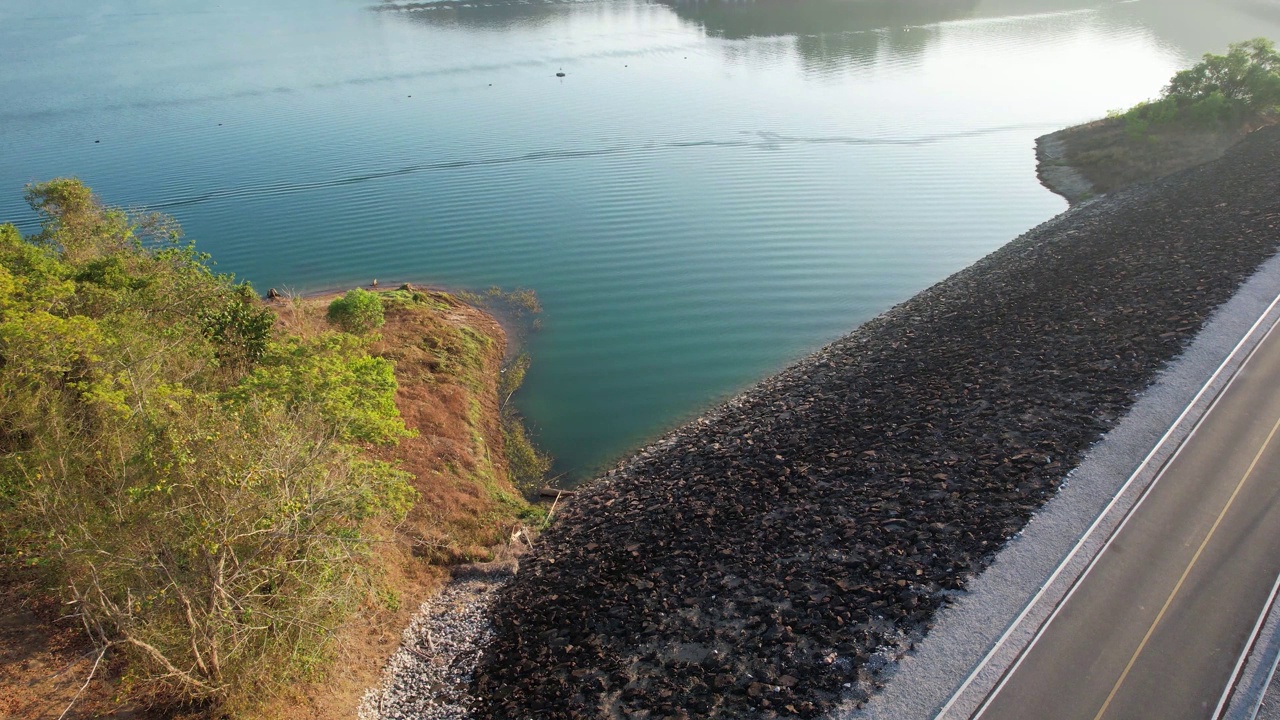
(1156, 626)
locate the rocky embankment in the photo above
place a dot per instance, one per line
(761, 561)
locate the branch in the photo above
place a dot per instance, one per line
(162, 660)
(92, 672)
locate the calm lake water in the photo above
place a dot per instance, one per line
(714, 189)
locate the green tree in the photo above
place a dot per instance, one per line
(333, 373)
(1231, 88)
(358, 311)
(1246, 78)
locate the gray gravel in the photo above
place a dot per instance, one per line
(428, 676)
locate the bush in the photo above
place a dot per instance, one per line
(353, 391)
(359, 311)
(185, 475)
(227, 564)
(528, 466)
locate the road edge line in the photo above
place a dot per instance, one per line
(1228, 693)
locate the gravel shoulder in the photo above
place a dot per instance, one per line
(428, 676)
(775, 557)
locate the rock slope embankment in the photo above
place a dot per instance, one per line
(756, 563)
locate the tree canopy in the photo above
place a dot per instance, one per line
(1239, 86)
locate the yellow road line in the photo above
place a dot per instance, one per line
(1185, 573)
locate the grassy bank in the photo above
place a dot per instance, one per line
(1202, 111)
(216, 506)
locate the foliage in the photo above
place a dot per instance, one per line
(523, 298)
(1247, 77)
(520, 305)
(527, 464)
(359, 311)
(512, 378)
(184, 473)
(1220, 89)
(240, 327)
(333, 374)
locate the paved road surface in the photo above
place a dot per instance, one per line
(1155, 628)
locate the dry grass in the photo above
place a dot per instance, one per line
(448, 356)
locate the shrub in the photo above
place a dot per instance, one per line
(233, 552)
(527, 465)
(185, 476)
(353, 391)
(359, 311)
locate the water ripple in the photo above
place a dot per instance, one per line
(766, 139)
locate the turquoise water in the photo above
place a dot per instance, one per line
(714, 189)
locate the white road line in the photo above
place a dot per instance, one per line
(1244, 654)
(1257, 705)
(1087, 536)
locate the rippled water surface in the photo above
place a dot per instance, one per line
(714, 189)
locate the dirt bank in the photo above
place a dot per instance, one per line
(448, 357)
(762, 561)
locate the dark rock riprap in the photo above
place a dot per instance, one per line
(752, 563)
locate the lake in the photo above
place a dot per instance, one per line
(714, 189)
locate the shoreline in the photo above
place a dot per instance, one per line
(1055, 174)
(1095, 158)
(447, 356)
(1011, 369)
(515, 329)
